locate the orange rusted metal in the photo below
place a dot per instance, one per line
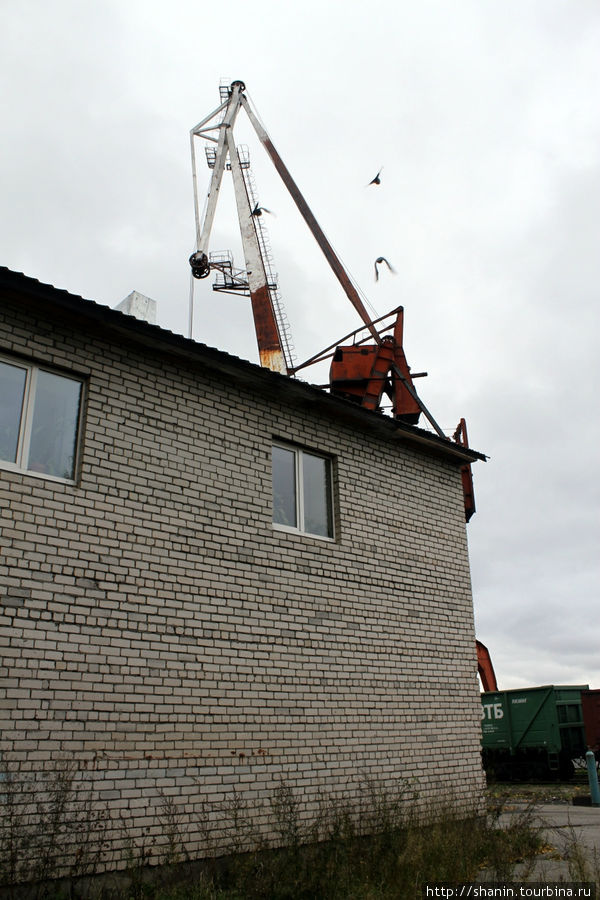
(485, 668)
(377, 383)
(405, 405)
(350, 370)
(267, 334)
(466, 474)
(469, 494)
(363, 373)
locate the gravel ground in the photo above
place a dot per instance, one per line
(542, 792)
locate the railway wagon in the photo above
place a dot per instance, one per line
(531, 733)
(590, 701)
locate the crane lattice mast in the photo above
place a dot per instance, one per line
(268, 334)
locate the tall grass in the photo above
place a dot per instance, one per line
(382, 844)
(48, 821)
(377, 849)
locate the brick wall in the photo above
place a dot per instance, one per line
(159, 631)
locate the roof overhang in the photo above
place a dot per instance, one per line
(80, 312)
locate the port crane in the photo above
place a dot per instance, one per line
(366, 364)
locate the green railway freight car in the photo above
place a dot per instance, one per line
(532, 732)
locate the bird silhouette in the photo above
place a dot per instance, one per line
(378, 261)
(259, 210)
(377, 179)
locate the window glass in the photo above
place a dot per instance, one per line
(302, 491)
(316, 494)
(12, 391)
(284, 487)
(54, 425)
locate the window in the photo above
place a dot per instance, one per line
(302, 496)
(39, 419)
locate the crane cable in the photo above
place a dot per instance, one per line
(358, 289)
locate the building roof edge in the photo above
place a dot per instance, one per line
(160, 338)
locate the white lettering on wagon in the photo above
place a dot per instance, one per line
(492, 711)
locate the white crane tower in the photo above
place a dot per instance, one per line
(257, 279)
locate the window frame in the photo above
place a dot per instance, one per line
(299, 452)
(32, 370)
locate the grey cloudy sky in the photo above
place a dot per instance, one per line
(486, 120)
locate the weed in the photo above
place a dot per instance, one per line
(583, 863)
(371, 844)
(518, 840)
(138, 857)
(48, 821)
(171, 819)
(286, 813)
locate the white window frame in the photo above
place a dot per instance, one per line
(299, 486)
(26, 421)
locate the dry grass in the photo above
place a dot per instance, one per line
(375, 848)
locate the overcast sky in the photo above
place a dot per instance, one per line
(484, 115)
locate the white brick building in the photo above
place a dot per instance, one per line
(160, 628)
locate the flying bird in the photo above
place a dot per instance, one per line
(378, 261)
(377, 179)
(259, 210)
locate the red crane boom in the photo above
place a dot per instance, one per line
(485, 668)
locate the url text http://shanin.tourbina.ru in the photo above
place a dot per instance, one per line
(581, 890)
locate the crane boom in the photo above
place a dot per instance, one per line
(307, 215)
(485, 668)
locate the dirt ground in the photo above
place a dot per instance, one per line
(540, 792)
